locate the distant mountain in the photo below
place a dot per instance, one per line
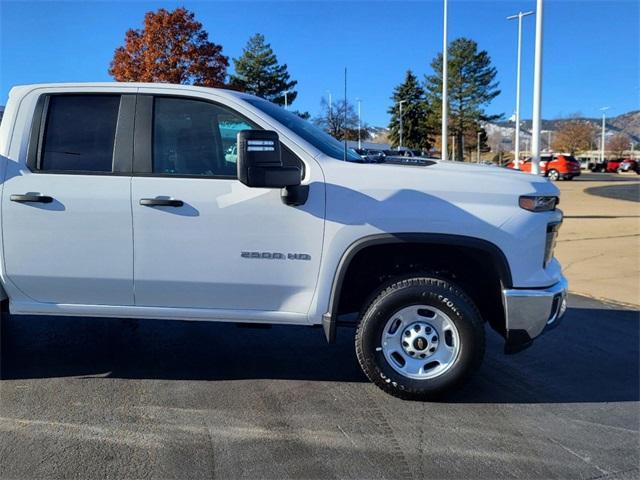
(628, 124)
(500, 134)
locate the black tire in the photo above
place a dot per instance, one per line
(435, 292)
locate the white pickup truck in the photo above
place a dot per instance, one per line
(122, 200)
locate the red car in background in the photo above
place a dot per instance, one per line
(554, 166)
(613, 165)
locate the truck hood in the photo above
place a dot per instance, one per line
(441, 178)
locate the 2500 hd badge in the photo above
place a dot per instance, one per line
(275, 256)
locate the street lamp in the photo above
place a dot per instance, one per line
(286, 102)
(400, 103)
(604, 128)
(359, 124)
(519, 16)
(478, 146)
(445, 100)
(537, 92)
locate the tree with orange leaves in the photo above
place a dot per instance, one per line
(171, 48)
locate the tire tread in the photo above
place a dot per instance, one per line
(404, 391)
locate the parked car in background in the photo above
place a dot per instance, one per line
(585, 162)
(629, 165)
(612, 166)
(231, 155)
(555, 166)
(370, 154)
(402, 152)
(408, 152)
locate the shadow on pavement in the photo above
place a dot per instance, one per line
(627, 192)
(606, 177)
(591, 357)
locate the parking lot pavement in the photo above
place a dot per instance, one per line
(161, 399)
(598, 243)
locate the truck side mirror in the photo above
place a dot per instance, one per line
(260, 163)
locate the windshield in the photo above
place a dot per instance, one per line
(305, 129)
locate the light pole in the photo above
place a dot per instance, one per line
(286, 103)
(478, 147)
(537, 92)
(519, 16)
(400, 103)
(549, 139)
(359, 124)
(604, 128)
(445, 100)
(548, 132)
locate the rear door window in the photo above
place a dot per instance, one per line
(79, 133)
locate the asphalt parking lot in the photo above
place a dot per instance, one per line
(86, 398)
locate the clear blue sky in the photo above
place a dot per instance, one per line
(590, 47)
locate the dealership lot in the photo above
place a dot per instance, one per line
(598, 243)
(163, 399)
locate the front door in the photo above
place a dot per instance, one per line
(201, 238)
(66, 217)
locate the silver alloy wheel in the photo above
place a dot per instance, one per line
(420, 342)
(554, 175)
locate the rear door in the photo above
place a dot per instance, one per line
(66, 208)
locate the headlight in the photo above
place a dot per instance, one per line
(550, 245)
(535, 203)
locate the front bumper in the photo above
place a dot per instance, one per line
(530, 312)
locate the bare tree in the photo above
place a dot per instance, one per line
(574, 136)
(340, 120)
(617, 145)
(495, 142)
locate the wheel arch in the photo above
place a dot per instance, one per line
(498, 259)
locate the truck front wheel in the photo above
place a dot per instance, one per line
(419, 337)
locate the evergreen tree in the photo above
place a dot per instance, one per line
(257, 72)
(472, 86)
(415, 129)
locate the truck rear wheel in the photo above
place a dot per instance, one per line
(419, 337)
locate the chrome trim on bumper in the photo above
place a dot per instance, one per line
(531, 311)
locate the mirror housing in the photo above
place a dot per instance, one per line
(260, 161)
